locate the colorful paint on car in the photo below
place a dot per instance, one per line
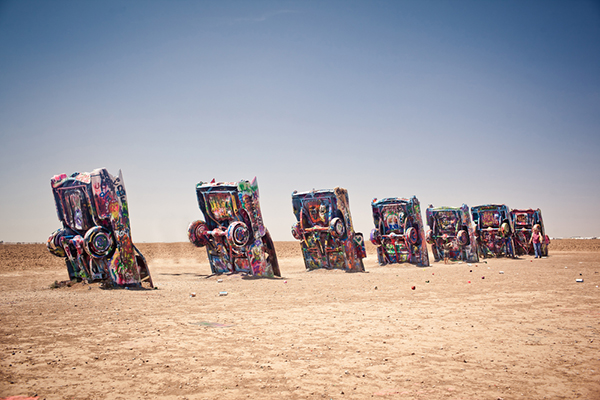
(96, 236)
(494, 230)
(325, 231)
(233, 232)
(398, 233)
(524, 220)
(451, 232)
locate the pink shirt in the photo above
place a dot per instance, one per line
(536, 237)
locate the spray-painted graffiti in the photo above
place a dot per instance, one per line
(451, 233)
(399, 234)
(494, 230)
(235, 237)
(524, 223)
(325, 230)
(96, 238)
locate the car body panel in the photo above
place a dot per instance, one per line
(524, 220)
(96, 234)
(445, 224)
(227, 205)
(325, 245)
(393, 217)
(494, 230)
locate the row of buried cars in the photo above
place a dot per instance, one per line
(95, 238)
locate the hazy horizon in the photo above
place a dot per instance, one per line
(454, 102)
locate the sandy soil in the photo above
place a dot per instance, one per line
(509, 329)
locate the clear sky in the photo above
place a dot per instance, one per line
(455, 102)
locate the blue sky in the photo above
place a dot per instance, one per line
(455, 102)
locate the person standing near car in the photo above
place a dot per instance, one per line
(545, 245)
(536, 239)
(446, 249)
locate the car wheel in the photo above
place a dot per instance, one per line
(375, 237)
(462, 237)
(54, 243)
(412, 235)
(197, 233)
(238, 234)
(98, 242)
(297, 231)
(337, 227)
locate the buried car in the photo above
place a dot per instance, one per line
(524, 222)
(494, 230)
(324, 229)
(233, 232)
(96, 236)
(398, 233)
(451, 233)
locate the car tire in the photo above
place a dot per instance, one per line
(238, 234)
(337, 227)
(412, 236)
(462, 237)
(375, 237)
(54, 243)
(98, 242)
(197, 233)
(297, 231)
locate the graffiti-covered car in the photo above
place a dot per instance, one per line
(494, 230)
(398, 233)
(524, 221)
(451, 233)
(325, 231)
(233, 231)
(96, 236)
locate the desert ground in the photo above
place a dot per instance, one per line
(497, 329)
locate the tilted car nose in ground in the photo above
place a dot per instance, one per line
(451, 233)
(399, 234)
(233, 231)
(325, 230)
(494, 230)
(525, 221)
(96, 236)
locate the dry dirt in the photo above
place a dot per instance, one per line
(501, 329)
